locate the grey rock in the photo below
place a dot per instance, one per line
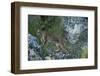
(47, 58)
(33, 42)
(34, 48)
(73, 28)
(33, 55)
(59, 55)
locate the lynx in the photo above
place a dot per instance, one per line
(49, 37)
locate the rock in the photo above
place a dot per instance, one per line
(34, 48)
(73, 27)
(59, 55)
(32, 55)
(33, 42)
(47, 58)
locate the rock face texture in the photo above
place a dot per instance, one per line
(33, 48)
(53, 37)
(74, 26)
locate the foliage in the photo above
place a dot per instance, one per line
(84, 53)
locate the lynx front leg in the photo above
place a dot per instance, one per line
(60, 46)
(43, 38)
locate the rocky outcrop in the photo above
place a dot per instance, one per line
(73, 27)
(33, 48)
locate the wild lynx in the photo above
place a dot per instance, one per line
(48, 23)
(49, 37)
